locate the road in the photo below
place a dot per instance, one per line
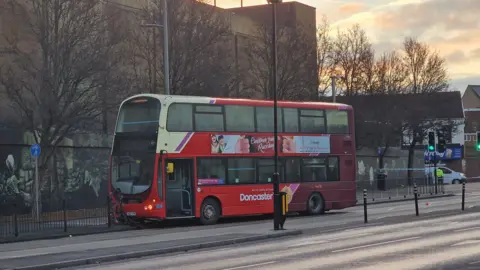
(451, 242)
(338, 224)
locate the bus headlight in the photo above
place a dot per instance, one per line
(150, 207)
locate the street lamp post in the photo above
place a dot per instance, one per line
(334, 89)
(276, 178)
(166, 62)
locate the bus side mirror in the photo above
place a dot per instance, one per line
(170, 167)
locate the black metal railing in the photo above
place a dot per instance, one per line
(387, 189)
(55, 217)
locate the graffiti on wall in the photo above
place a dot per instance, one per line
(76, 174)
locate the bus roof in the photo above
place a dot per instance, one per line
(242, 101)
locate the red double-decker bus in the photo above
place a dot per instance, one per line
(207, 158)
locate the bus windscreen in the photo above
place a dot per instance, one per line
(139, 115)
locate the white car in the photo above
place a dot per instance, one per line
(449, 176)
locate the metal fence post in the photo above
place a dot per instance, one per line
(463, 196)
(109, 211)
(365, 206)
(415, 193)
(64, 208)
(15, 219)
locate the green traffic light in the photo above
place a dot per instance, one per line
(431, 148)
(478, 147)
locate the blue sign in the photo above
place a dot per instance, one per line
(451, 153)
(35, 150)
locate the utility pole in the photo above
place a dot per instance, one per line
(166, 62)
(276, 178)
(334, 89)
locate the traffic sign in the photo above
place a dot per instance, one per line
(35, 150)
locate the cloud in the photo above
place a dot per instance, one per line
(423, 15)
(457, 56)
(351, 8)
(475, 53)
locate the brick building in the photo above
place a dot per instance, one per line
(471, 106)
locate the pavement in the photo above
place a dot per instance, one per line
(451, 242)
(103, 248)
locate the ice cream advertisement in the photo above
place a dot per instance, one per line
(246, 144)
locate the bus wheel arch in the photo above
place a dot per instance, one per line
(210, 210)
(315, 204)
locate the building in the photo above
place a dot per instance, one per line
(471, 105)
(297, 50)
(383, 132)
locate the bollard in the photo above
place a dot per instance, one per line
(463, 196)
(415, 193)
(64, 206)
(283, 197)
(109, 212)
(365, 217)
(15, 219)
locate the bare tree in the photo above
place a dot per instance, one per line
(426, 69)
(379, 127)
(62, 68)
(201, 58)
(353, 56)
(389, 75)
(427, 73)
(325, 59)
(296, 65)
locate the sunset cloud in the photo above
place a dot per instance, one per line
(351, 8)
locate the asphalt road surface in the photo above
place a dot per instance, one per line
(451, 242)
(324, 237)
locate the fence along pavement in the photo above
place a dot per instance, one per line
(56, 218)
(398, 188)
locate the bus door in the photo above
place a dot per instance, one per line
(179, 189)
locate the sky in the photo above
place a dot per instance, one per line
(451, 27)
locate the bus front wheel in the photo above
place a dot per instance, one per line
(210, 212)
(315, 204)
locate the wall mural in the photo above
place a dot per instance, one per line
(76, 174)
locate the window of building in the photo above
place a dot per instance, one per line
(211, 171)
(337, 122)
(209, 118)
(240, 118)
(314, 170)
(266, 168)
(179, 117)
(264, 119)
(241, 171)
(312, 121)
(290, 120)
(292, 170)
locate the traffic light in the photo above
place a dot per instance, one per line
(477, 145)
(441, 142)
(431, 141)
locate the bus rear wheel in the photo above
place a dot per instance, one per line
(315, 204)
(210, 212)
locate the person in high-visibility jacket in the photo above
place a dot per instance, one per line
(439, 175)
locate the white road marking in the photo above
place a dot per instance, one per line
(468, 242)
(376, 244)
(308, 243)
(250, 265)
(468, 229)
(472, 263)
